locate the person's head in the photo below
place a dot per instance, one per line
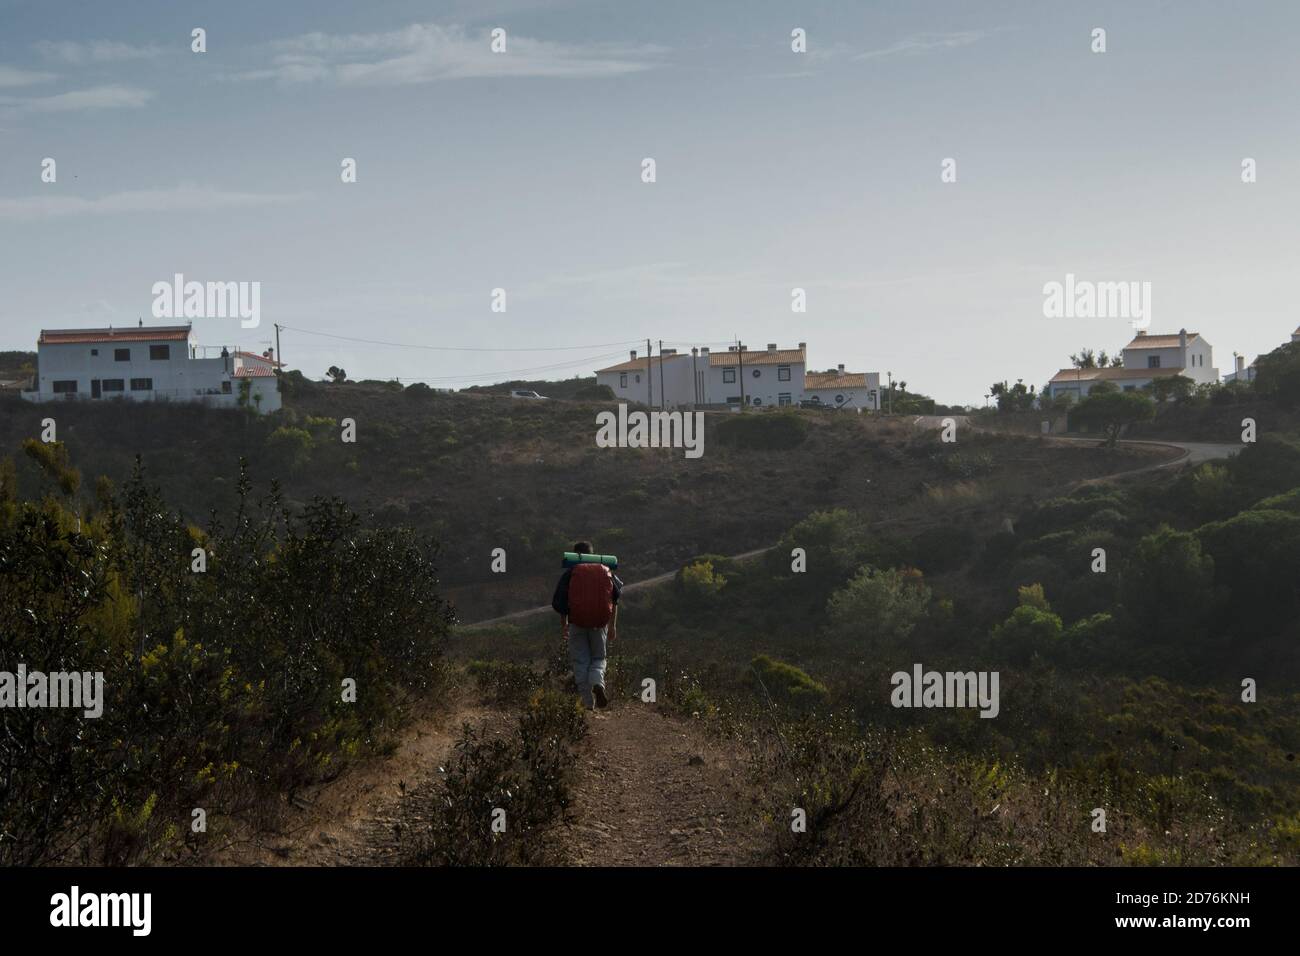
(582, 547)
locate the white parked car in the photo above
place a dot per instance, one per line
(525, 393)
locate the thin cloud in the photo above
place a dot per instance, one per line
(925, 43)
(94, 98)
(12, 76)
(184, 198)
(427, 53)
(93, 51)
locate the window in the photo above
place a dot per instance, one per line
(1129, 388)
(114, 385)
(94, 351)
(622, 380)
(728, 376)
(65, 386)
(758, 401)
(159, 353)
(756, 373)
(121, 355)
(783, 373)
(142, 385)
(1153, 361)
(784, 399)
(225, 387)
(638, 378)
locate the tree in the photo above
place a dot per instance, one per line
(1277, 374)
(881, 606)
(1084, 358)
(1013, 398)
(1167, 585)
(1177, 387)
(337, 375)
(1112, 411)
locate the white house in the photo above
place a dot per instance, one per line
(843, 389)
(649, 381)
(1146, 358)
(1187, 351)
(158, 363)
(772, 377)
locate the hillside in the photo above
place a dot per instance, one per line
(478, 472)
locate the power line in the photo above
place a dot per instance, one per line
(457, 348)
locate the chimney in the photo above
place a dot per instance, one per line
(1241, 363)
(1182, 338)
(802, 346)
(704, 350)
(633, 355)
(840, 370)
(744, 348)
(664, 351)
(771, 346)
(1141, 332)
(731, 348)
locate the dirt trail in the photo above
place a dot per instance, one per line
(359, 818)
(655, 790)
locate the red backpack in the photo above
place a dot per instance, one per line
(591, 595)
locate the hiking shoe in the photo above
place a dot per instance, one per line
(599, 693)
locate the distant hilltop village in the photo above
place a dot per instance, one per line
(157, 363)
(771, 378)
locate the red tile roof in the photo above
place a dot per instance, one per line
(758, 357)
(1159, 341)
(639, 364)
(158, 333)
(835, 380)
(1107, 374)
(253, 371)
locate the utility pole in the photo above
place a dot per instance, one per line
(663, 393)
(695, 372)
(277, 345)
(649, 376)
(740, 358)
(891, 392)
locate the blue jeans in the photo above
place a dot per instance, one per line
(587, 652)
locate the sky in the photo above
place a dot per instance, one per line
(774, 170)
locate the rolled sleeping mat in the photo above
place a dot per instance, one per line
(572, 557)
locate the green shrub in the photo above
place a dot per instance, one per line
(1167, 585)
(788, 684)
(878, 607)
(700, 583)
(290, 447)
(774, 431)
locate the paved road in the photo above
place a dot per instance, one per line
(1193, 453)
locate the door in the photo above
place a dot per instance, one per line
(94, 388)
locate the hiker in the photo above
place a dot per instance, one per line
(586, 598)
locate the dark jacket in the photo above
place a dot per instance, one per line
(561, 599)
